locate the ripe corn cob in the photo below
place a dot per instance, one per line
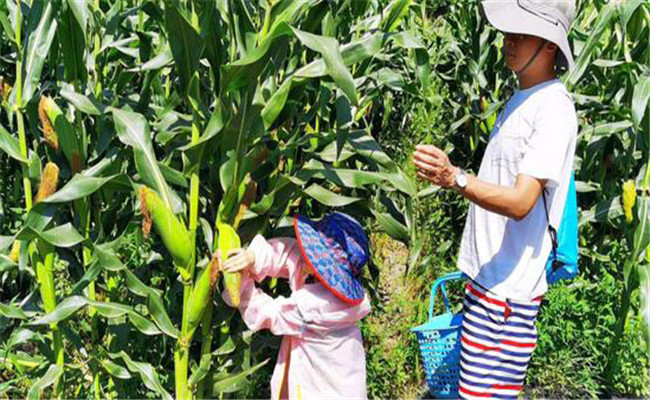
(49, 182)
(629, 199)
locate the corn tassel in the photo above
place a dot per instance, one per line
(172, 231)
(229, 240)
(59, 132)
(629, 199)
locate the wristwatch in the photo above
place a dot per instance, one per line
(461, 179)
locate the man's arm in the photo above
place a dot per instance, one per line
(513, 202)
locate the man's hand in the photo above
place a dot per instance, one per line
(239, 260)
(433, 165)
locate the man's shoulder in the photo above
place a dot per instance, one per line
(555, 94)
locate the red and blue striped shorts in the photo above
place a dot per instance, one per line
(497, 340)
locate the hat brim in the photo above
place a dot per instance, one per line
(334, 273)
(508, 17)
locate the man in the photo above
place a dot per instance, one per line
(505, 244)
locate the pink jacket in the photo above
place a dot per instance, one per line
(322, 349)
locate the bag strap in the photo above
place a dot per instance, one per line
(551, 231)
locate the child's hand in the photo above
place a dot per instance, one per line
(239, 260)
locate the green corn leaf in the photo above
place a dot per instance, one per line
(52, 374)
(642, 232)
(328, 197)
(61, 236)
(335, 66)
(604, 17)
(641, 100)
(10, 145)
(114, 369)
(644, 309)
(12, 311)
(133, 130)
(81, 102)
(395, 11)
(72, 39)
(6, 263)
(185, 42)
(233, 383)
(159, 61)
(79, 187)
(71, 305)
(604, 211)
(147, 373)
(38, 48)
(105, 259)
(391, 226)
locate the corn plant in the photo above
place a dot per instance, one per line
(179, 130)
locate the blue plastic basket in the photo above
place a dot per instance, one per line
(440, 344)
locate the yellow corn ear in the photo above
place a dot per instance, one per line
(51, 138)
(629, 199)
(51, 114)
(201, 295)
(171, 230)
(14, 255)
(229, 240)
(49, 182)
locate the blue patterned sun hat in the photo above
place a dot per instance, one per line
(336, 249)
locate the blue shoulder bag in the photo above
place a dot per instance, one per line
(563, 261)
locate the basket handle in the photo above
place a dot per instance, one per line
(440, 282)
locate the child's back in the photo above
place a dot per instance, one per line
(322, 353)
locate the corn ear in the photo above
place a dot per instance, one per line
(53, 118)
(629, 199)
(14, 255)
(49, 182)
(201, 295)
(51, 138)
(229, 240)
(171, 230)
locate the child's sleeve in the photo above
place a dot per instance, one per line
(275, 258)
(260, 311)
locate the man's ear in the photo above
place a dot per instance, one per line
(550, 47)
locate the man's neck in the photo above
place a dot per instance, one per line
(526, 81)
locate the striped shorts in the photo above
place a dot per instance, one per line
(497, 340)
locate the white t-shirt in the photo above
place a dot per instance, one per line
(534, 136)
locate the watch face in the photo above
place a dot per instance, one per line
(461, 180)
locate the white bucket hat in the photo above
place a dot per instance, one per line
(547, 19)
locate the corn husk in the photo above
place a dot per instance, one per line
(202, 295)
(171, 230)
(229, 240)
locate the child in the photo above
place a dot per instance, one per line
(520, 190)
(322, 352)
